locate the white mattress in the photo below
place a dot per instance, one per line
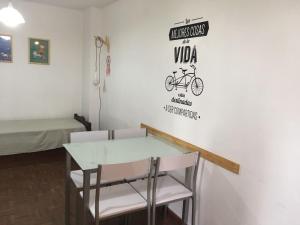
(22, 136)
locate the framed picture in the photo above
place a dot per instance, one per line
(5, 48)
(39, 51)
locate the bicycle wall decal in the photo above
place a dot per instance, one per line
(184, 81)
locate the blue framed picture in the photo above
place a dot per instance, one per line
(5, 48)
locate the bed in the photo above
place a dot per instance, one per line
(24, 136)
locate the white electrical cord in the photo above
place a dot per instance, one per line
(97, 81)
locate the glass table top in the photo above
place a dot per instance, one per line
(89, 155)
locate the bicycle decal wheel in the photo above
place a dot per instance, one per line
(169, 84)
(197, 86)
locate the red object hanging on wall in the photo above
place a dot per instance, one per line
(108, 61)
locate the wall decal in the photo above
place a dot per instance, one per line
(185, 54)
(185, 79)
(189, 31)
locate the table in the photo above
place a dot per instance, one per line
(89, 155)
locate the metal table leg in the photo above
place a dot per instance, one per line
(86, 195)
(67, 189)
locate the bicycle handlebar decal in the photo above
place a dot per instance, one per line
(186, 76)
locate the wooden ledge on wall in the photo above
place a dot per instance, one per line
(214, 158)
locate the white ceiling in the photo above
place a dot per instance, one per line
(75, 4)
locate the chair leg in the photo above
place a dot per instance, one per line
(97, 221)
(183, 212)
(125, 220)
(77, 199)
(165, 212)
(193, 211)
(128, 219)
(149, 216)
(153, 215)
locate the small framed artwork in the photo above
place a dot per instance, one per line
(39, 51)
(5, 48)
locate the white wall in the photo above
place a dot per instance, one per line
(249, 109)
(93, 26)
(39, 91)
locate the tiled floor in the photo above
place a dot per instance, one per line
(32, 192)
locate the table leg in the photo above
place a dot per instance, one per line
(86, 195)
(186, 203)
(67, 189)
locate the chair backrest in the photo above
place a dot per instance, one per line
(129, 133)
(123, 171)
(169, 163)
(88, 136)
(177, 162)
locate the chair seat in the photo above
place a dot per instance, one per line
(168, 189)
(77, 177)
(115, 200)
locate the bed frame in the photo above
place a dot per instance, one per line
(81, 119)
(17, 137)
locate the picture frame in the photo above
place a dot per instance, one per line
(39, 51)
(6, 48)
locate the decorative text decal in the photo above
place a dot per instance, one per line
(186, 76)
(189, 31)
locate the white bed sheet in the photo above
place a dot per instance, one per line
(23, 136)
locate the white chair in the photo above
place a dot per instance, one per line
(87, 136)
(129, 133)
(167, 189)
(115, 200)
